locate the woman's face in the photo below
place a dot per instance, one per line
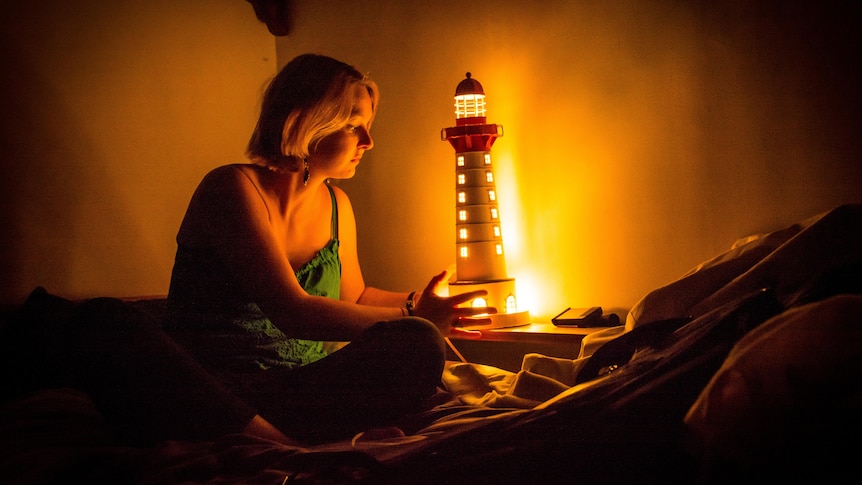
(338, 154)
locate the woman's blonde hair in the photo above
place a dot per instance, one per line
(311, 97)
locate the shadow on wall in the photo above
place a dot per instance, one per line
(276, 14)
(50, 188)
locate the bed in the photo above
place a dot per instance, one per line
(748, 366)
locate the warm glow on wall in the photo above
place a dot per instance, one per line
(530, 291)
(554, 196)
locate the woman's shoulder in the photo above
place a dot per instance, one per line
(232, 176)
(233, 170)
(227, 191)
(341, 197)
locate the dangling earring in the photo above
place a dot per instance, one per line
(305, 174)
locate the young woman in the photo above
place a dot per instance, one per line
(266, 272)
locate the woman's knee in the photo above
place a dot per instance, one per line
(414, 335)
(421, 331)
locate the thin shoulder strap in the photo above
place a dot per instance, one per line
(334, 224)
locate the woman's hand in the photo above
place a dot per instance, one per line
(445, 312)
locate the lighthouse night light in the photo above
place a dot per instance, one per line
(479, 256)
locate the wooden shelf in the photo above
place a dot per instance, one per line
(536, 332)
(505, 347)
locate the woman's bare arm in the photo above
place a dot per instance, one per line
(229, 214)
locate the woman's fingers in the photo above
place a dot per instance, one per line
(467, 322)
(451, 312)
(471, 314)
(470, 295)
(465, 333)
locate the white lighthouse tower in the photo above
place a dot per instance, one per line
(479, 253)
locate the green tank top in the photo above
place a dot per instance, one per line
(320, 277)
(211, 315)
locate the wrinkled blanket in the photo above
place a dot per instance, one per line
(799, 263)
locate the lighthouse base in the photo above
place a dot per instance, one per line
(501, 295)
(502, 320)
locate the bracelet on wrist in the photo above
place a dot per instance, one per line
(410, 305)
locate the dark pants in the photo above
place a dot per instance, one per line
(150, 389)
(147, 387)
(374, 381)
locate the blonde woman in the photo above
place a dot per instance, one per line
(266, 272)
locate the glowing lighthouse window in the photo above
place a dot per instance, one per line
(487, 159)
(511, 304)
(479, 302)
(462, 233)
(489, 177)
(492, 196)
(469, 106)
(462, 215)
(462, 197)
(494, 214)
(497, 231)
(499, 249)
(463, 251)
(460, 160)
(462, 179)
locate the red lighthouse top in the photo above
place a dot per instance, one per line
(471, 132)
(469, 102)
(469, 86)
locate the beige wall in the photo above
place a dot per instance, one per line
(641, 137)
(112, 112)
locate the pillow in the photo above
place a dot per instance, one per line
(33, 343)
(785, 388)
